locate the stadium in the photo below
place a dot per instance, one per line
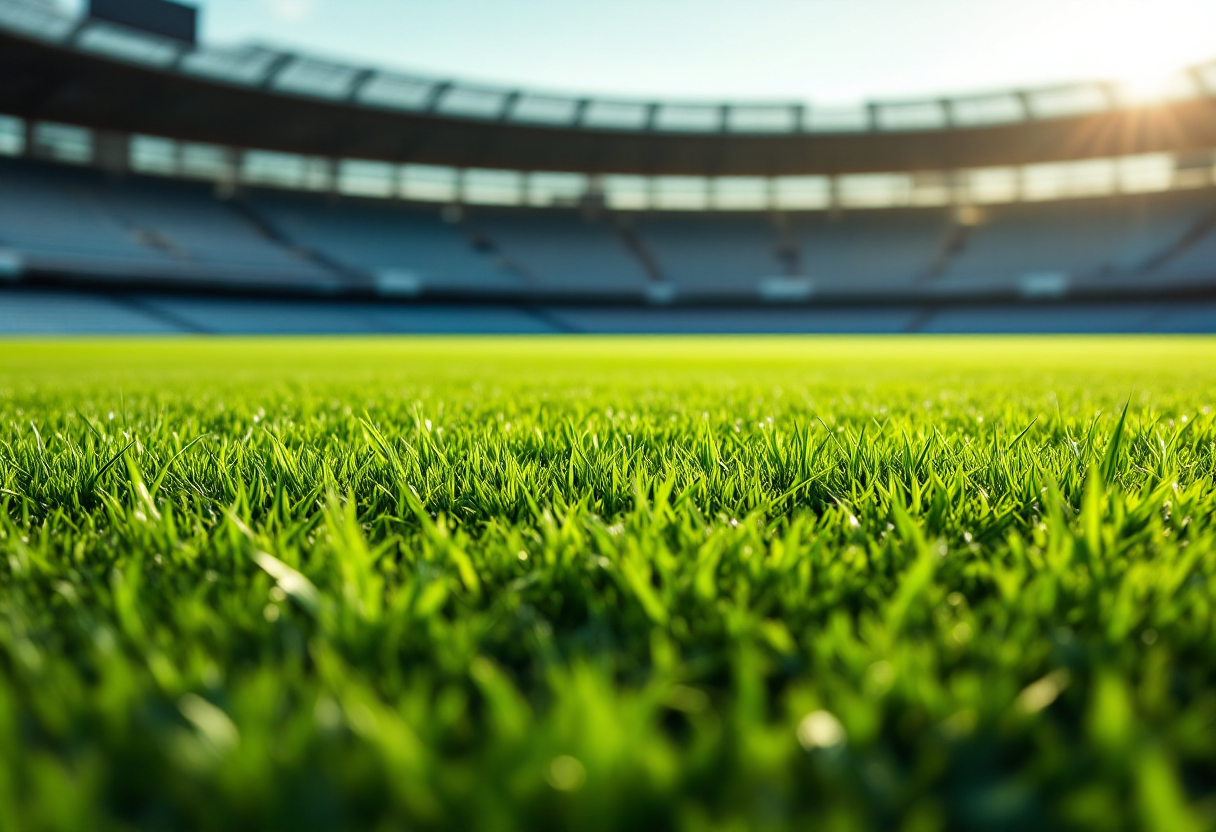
(381, 450)
(251, 190)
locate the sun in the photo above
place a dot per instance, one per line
(1135, 37)
(1150, 84)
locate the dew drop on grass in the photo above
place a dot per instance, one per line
(211, 722)
(1042, 693)
(566, 774)
(821, 729)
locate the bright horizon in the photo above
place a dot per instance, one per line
(823, 51)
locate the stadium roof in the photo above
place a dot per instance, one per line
(57, 67)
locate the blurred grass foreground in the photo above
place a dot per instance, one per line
(618, 584)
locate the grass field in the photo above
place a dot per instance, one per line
(732, 584)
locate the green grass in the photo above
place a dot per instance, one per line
(734, 584)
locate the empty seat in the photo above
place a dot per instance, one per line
(1092, 242)
(388, 239)
(80, 221)
(869, 251)
(713, 253)
(66, 313)
(560, 250)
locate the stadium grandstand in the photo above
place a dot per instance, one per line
(149, 183)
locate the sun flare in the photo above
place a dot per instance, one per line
(1146, 60)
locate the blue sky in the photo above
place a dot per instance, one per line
(826, 51)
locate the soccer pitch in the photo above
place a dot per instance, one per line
(608, 584)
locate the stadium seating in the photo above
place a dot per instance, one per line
(65, 220)
(24, 312)
(1095, 242)
(736, 321)
(870, 252)
(1193, 260)
(277, 177)
(393, 242)
(563, 250)
(79, 221)
(1095, 318)
(710, 253)
(226, 316)
(73, 313)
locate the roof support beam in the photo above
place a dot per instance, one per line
(580, 112)
(49, 82)
(361, 80)
(947, 112)
(435, 96)
(508, 105)
(277, 65)
(1023, 98)
(652, 116)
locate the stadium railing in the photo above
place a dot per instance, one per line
(304, 75)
